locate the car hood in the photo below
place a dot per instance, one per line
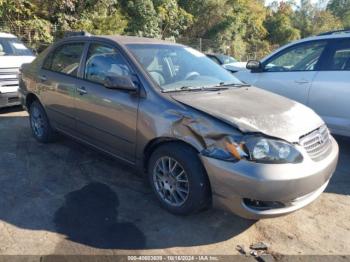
(14, 61)
(237, 66)
(251, 109)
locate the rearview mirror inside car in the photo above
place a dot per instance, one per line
(254, 65)
(120, 82)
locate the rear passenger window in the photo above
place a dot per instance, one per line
(340, 59)
(65, 59)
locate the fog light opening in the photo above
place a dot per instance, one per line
(262, 205)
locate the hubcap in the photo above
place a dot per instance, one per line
(37, 122)
(171, 181)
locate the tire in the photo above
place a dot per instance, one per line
(197, 185)
(40, 124)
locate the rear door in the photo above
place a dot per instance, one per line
(57, 82)
(291, 71)
(106, 117)
(330, 91)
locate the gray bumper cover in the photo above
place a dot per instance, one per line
(295, 185)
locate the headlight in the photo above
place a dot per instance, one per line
(226, 149)
(272, 151)
(257, 149)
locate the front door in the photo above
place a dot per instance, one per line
(291, 71)
(107, 117)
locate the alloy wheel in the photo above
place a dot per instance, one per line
(37, 122)
(171, 181)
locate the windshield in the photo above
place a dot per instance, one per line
(13, 47)
(179, 67)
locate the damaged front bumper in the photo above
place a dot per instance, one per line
(255, 190)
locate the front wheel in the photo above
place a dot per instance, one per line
(39, 123)
(178, 179)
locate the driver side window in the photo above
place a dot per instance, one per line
(303, 57)
(104, 61)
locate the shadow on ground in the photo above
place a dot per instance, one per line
(91, 199)
(340, 182)
(90, 216)
(12, 109)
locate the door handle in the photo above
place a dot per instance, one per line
(81, 90)
(301, 81)
(42, 78)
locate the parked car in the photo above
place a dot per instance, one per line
(314, 71)
(200, 135)
(227, 62)
(13, 53)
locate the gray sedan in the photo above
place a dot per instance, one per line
(200, 136)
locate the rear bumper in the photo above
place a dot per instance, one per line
(9, 99)
(293, 186)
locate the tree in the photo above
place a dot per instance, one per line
(340, 9)
(21, 18)
(303, 18)
(324, 21)
(280, 26)
(255, 33)
(312, 19)
(105, 18)
(142, 16)
(242, 28)
(173, 20)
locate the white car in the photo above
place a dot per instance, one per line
(227, 62)
(13, 53)
(314, 71)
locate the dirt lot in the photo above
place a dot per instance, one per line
(64, 198)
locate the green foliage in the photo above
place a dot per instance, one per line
(102, 21)
(242, 28)
(340, 9)
(310, 20)
(142, 16)
(21, 18)
(325, 21)
(173, 20)
(280, 26)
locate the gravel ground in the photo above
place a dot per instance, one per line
(65, 198)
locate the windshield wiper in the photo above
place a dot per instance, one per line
(203, 88)
(222, 84)
(183, 88)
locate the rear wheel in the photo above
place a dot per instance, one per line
(39, 123)
(178, 179)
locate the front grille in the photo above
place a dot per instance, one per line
(317, 142)
(8, 74)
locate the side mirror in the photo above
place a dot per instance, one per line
(254, 66)
(120, 82)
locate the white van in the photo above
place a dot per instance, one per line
(13, 53)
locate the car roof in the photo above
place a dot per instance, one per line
(123, 40)
(328, 36)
